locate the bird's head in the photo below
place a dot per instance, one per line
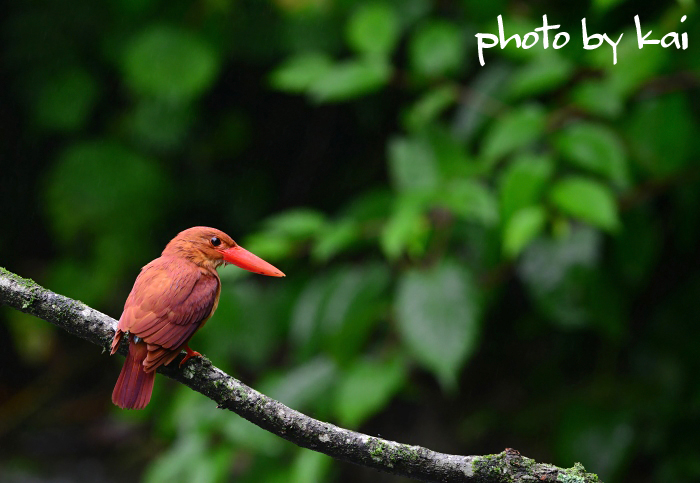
(211, 248)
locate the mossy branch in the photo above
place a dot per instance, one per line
(229, 393)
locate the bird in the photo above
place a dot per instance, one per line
(173, 297)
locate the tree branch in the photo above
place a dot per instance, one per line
(229, 393)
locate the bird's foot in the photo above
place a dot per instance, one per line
(190, 354)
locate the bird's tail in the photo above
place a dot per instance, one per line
(135, 385)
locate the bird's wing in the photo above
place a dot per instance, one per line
(168, 303)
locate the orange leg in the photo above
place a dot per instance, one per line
(190, 354)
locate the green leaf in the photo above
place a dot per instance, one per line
(336, 311)
(587, 200)
(436, 48)
(373, 29)
(304, 332)
(269, 246)
(296, 224)
(559, 273)
(412, 165)
(470, 200)
(453, 160)
(301, 387)
(246, 435)
(298, 73)
(285, 234)
(350, 79)
(597, 97)
(371, 206)
(661, 132)
(523, 183)
(354, 304)
(282, 233)
(191, 457)
(546, 262)
(66, 100)
(438, 315)
(169, 63)
(366, 388)
(518, 128)
(309, 467)
(178, 463)
(523, 227)
(545, 73)
(334, 239)
(426, 109)
(406, 230)
(596, 148)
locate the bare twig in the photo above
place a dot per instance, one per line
(229, 393)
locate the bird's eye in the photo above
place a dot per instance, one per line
(215, 242)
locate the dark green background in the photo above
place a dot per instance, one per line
(477, 257)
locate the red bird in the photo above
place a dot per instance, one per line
(172, 298)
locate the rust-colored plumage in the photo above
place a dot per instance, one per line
(172, 298)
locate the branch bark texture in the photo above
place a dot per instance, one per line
(229, 393)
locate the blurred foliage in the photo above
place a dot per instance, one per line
(477, 257)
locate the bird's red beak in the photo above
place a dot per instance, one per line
(241, 257)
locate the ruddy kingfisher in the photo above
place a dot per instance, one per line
(172, 298)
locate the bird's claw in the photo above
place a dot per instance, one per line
(189, 355)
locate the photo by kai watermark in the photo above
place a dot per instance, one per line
(590, 41)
